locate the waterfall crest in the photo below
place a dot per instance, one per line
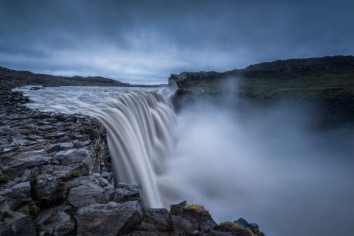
(139, 123)
(139, 137)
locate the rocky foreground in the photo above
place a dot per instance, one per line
(56, 179)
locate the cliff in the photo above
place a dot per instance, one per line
(326, 82)
(291, 69)
(14, 78)
(56, 178)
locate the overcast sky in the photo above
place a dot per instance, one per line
(145, 41)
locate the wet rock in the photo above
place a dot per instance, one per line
(66, 145)
(15, 196)
(18, 166)
(127, 192)
(47, 128)
(54, 221)
(87, 194)
(156, 221)
(100, 180)
(191, 220)
(17, 224)
(56, 170)
(244, 224)
(177, 209)
(49, 189)
(107, 175)
(109, 219)
(53, 148)
(76, 157)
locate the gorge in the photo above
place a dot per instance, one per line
(236, 148)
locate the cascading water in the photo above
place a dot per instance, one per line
(139, 126)
(236, 163)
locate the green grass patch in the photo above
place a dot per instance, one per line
(73, 174)
(8, 213)
(227, 226)
(197, 209)
(4, 179)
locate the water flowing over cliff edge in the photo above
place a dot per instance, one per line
(139, 124)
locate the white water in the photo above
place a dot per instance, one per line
(263, 165)
(138, 124)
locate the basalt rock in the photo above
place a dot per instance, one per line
(49, 189)
(16, 223)
(55, 221)
(56, 179)
(109, 219)
(125, 192)
(85, 195)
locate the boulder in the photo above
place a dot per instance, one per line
(85, 195)
(81, 158)
(177, 209)
(127, 192)
(108, 219)
(191, 219)
(15, 196)
(244, 224)
(54, 221)
(49, 189)
(156, 221)
(17, 224)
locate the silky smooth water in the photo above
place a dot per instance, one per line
(138, 123)
(265, 165)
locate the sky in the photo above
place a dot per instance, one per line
(145, 41)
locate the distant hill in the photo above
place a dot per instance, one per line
(328, 81)
(13, 78)
(303, 74)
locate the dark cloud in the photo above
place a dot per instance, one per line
(144, 41)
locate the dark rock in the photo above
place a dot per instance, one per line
(18, 166)
(103, 182)
(156, 221)
(53, 148)
(15, 196)
(76, 157)
(127, 192)
(177, 209)
(17, 224)
(85, 195)
(54, 221)
(241, 222)
(107, 175)
(189, 221)
(108, 219)
(56, 170)
(244, 224)
(49, 189)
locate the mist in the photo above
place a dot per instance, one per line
(266, 165)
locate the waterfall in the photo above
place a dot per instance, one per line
(139, 128)
(139, 137)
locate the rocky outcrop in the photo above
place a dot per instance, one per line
(280, 69)
(56, 179)
(324, 85)
(109, 219)
(14, 78)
